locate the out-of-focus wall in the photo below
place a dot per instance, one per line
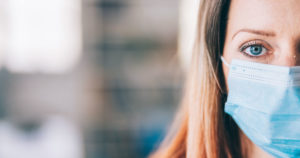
(118, 97)
(139, 71)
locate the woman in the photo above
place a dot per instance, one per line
(249, 105)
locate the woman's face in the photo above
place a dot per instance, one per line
(264, 31)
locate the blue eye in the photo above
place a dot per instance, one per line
(255, 50)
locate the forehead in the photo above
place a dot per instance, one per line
(281, 16)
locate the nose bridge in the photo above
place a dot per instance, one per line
(289, 55)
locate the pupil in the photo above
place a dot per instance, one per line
(256, 50)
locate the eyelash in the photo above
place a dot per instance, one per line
(253, 43)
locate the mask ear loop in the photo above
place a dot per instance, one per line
(225, 62)
(224, 92)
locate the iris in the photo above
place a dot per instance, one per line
(256, 50)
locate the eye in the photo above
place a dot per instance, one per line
(254, 50)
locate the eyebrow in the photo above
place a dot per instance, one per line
(258, 32)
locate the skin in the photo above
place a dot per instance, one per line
(274, 26)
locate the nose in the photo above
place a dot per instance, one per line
(289, 56)
(288, 60)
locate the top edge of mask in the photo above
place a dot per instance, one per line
(264, 67)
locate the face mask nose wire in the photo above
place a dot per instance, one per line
(225, 62)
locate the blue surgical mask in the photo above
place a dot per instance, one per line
(264, 100)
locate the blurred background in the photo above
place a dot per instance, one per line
(91, 78)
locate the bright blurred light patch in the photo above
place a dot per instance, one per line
(44, 35)
(56, 138)
(187, 30)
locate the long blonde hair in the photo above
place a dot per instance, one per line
(201, 128)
